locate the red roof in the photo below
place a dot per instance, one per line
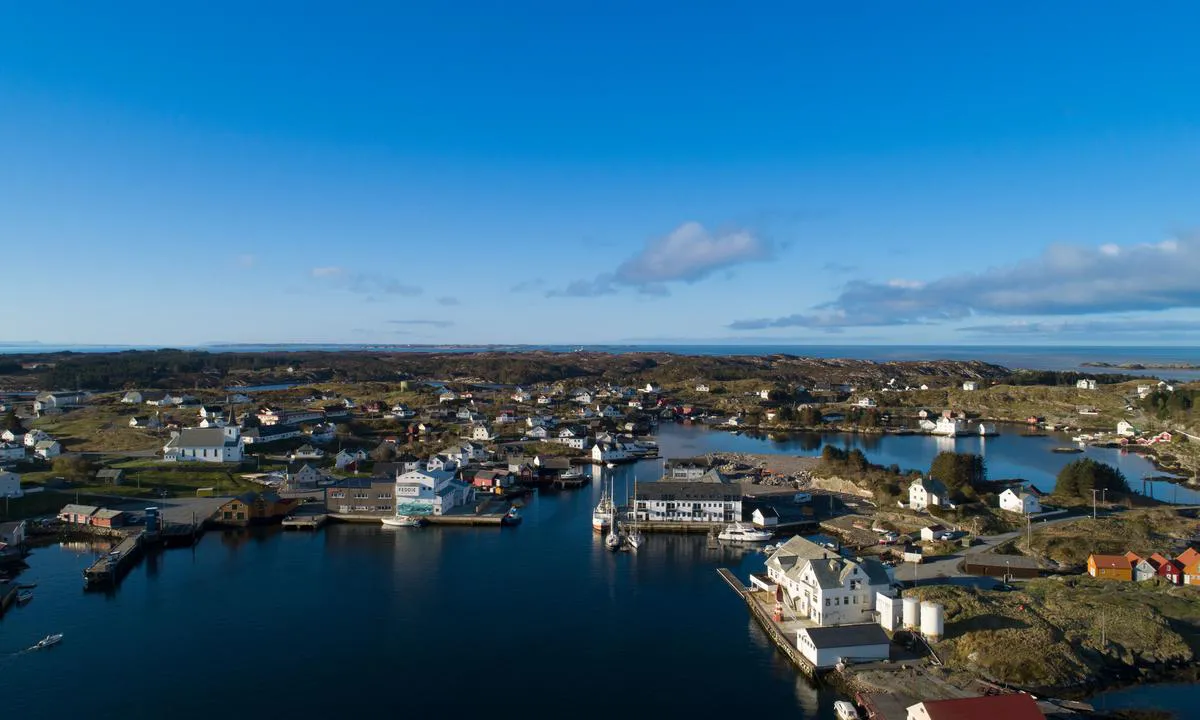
(1133, 557)
(1017, 706)
(1112, 562)
(1157, 560)
(1188, 557)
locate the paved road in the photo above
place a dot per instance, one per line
(946, 569)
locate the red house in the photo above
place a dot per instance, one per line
(1170, 570)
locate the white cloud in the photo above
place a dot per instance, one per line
(368, 284)
(1063, 280)
(689, 253)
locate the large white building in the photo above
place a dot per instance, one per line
(430, 492)
(825, 587)
(216, 445)
(925, 492)
(712, 502)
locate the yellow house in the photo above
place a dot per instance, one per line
(252, 507)
(1110, 567)
(1190, 560)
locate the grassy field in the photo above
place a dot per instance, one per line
(1060, 633)
(1143, 531)
(101, 427)
(1017, 402)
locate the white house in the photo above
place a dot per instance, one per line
(12, 451)
(12, 533)
(60, 399)
(14, 436)
(35, 436)
(521, 396)
(764, 394)
(1085, 384)
(217, 445)
(442, 463)
(543, 400)
(735, 421)
(307, 452)
(825, 647)
(538, 433)
(925, 492)
(866, 402)
(703, 388)
(1020, 501)
(1126, 429)
(447, 396)
(605, 452)
(430, 492)
(306, 476)
(345, 458)
(947, 426)
(970, 385)
(150, 422)
(825, 587)
(133, 397)
(686, 502)
(651, 389)
(47, 449)
(611, 412)
(765, 517)
(480, 432)
(10, 485)
(323, 433)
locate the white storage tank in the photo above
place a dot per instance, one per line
(931, 621)
(912, 613)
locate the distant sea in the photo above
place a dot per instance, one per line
(1034, 357)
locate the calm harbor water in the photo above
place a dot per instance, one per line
(1009, 455)
(539, 620)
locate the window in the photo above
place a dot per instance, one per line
(827, 602)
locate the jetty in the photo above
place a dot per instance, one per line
(310, 516)
(769, 625)
(109, 569)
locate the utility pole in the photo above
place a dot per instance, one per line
(1094, 491)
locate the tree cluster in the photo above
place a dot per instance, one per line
(1174, 405)
(1079, 478)
(962, 473)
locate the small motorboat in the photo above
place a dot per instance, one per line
(48, 641)
(402, 521)
(512, 517)
(24, 596)
(845, 710)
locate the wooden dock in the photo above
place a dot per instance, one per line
(572, 483)
(768, 625)
(304, 522)
(496, 519)
(109, 569)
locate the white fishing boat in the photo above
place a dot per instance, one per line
(743, 532)
(602, 516)
(48, 641)
(845, 710)
(402, 521)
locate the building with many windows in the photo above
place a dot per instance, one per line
(825, 587)
(362, 497)
(216, 445)
(711, 502)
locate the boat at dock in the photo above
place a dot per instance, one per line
(613, 540)
(512, 517)
(845, 710)
(602, 516)
(633, 535)
(742, 532)
(48, 641)
(402, 521)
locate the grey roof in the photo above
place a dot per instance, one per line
(364, 483)
(110, 473)
(937, 487)
(108, 514)
(689, 491)
(267, 431)
(832, 573)
(202, 438)
(73, 509)
(838, 636)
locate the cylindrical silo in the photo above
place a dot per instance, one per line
(931, 621)
(912, 613)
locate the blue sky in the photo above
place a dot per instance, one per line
(595, 172)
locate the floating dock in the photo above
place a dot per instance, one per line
(768, 624)
(109, 569)
(305, 522)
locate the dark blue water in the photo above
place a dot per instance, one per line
(359, 621)
(1181, 699)
(1008, 456)
(1043, 357)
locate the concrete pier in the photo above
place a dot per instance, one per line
(110, 568)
